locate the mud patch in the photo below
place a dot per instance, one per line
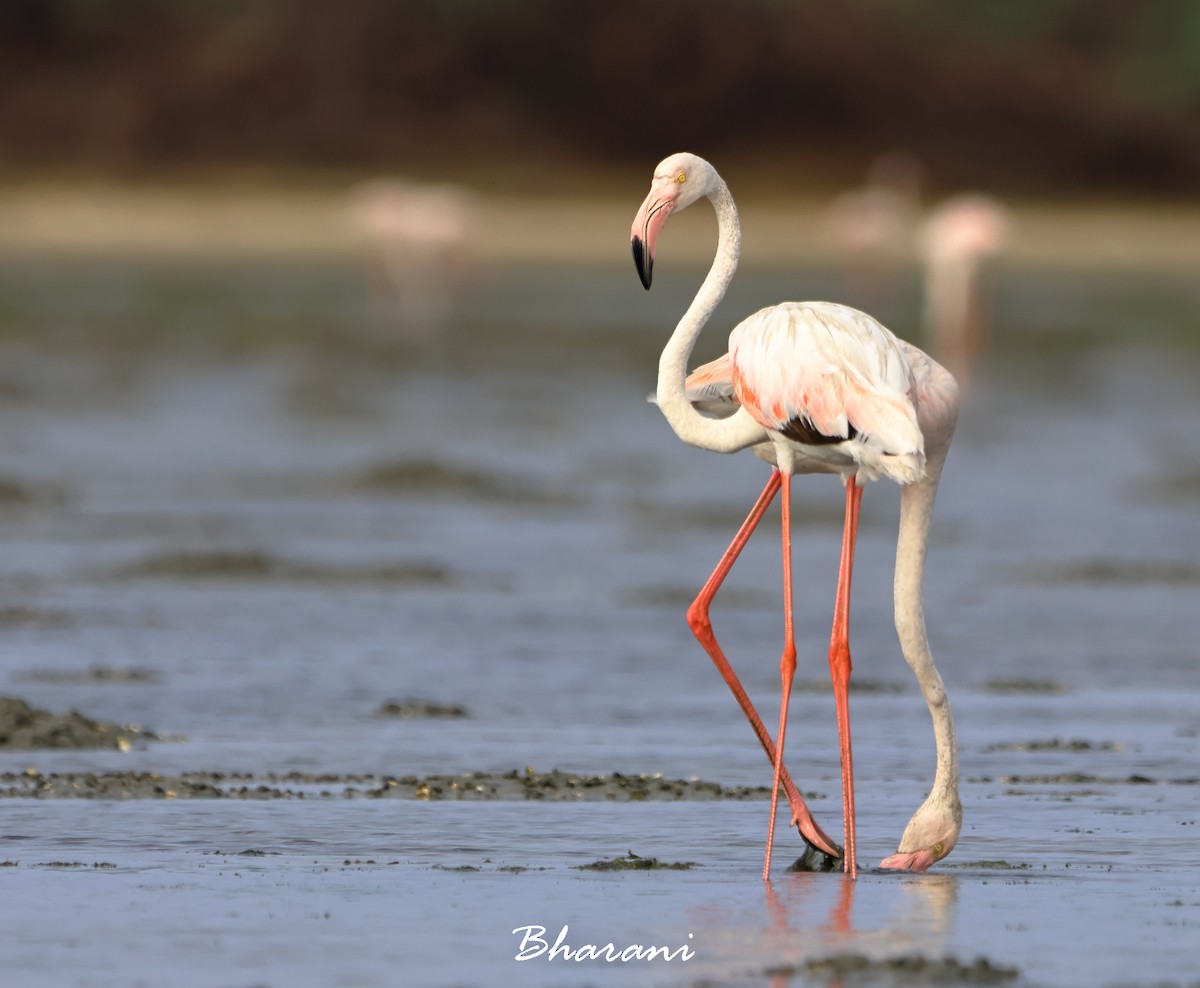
(414, 709)
(856, 686)
(98, 865)
(260, 566)
(1052, 744)
(1079, 779)
(17, 616)
(32, 784)
(1118, 572)
(813, 513)
(93, 674)
(680, 598)
(1172, 488)
(635, 862)
(514, 786)
(23, 727)
(432, 478)
(1049, 687)
(487, 866)
(989, 866)
(559, 786)
(16, 494)
(858, 969)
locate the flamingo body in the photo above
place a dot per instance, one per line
(870, 228)
(814, 387)
(834, 382)
(416, 243)
(959, 237)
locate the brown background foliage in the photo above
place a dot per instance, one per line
(1060, 95)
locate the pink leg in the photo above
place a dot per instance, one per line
(787, 664)
(838, 923)
(839, 666)
(701, 627)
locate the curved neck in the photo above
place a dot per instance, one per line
(916, 511)
(719, 435)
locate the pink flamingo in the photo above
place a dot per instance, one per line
(416, 240)
(871, 227)
(958, 237)
(814, 387)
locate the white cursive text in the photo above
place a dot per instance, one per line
(534, 944)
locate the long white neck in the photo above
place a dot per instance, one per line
(719, 435)
(916, 511)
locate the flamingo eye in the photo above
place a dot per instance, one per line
(938, 848)
(681, 177)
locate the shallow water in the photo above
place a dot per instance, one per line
(285, 533)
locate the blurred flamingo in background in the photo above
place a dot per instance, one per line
(416, 243)
(814, 387)
(957, 238)
(870, 228)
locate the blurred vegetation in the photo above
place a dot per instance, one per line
(1088, 95)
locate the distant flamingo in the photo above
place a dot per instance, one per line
(814, 387)
(871, 227)
(958, 236)
(416, 240)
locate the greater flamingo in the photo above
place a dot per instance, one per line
(814, 387)
(416, 242)
(959, 235)
(871, 227)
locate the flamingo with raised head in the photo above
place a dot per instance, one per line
(417, 241)
(958, 237)
(870, 228)
(814, 387)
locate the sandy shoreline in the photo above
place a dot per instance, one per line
(211, 221)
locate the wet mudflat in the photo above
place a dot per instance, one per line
(395, 642)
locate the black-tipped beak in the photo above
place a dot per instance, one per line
(644, 262)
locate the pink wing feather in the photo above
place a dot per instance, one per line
(832, 367)
(710, 387)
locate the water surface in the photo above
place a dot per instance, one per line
(227, 480)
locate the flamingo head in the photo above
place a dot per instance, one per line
(678, 182)
(930, 835)
(967, 228)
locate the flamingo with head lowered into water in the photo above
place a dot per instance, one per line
(814, 387)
